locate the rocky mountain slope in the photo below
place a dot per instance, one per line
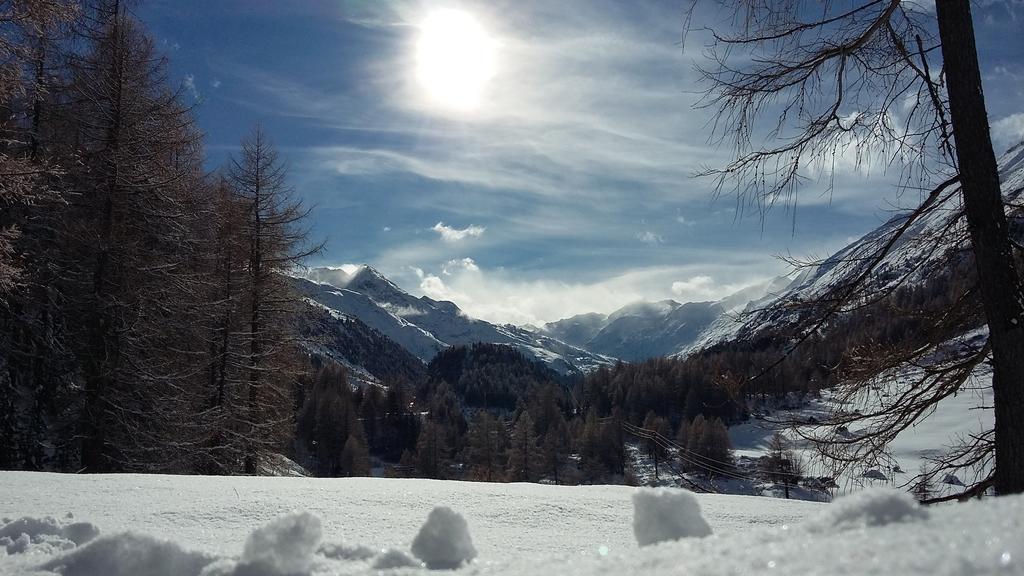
(424, 326)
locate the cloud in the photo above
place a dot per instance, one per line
(586, 131)
(700, 287)
(648, 237)
(1008, 131)
(506, 297)
(450, 234)
(459, 264)
(190, 85)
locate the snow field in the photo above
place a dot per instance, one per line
(198, 525)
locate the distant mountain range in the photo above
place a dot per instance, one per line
(423, 326)
(362, 311)
(651, 329)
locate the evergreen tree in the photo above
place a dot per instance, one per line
(355, 458)
(523, 454)
(433, 453)
(487, 445)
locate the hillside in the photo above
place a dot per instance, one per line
(640, 330)
(424, 326)
(912, 261)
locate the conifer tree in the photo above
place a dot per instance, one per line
(523, 454)
(127, 277)
(276, 244)
(487, 443)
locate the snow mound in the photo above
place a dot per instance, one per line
(44, 535)
(443, 542)
(283, 547)
(391, 559)
(346, 551)
(869, 508)
(663, 514)
(129, 554)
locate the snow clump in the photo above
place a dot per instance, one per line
(662, 514)
(391, 559)
(346, 551)
(868, 508)
(129, 554)
(285, 546)
(444, 542)
(44, 535)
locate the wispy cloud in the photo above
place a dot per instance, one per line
(504, 296)
(189, 83)
(648, 237)
(450, 234)
(564, 192)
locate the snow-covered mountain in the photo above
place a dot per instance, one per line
(424, 326)
(912, 259)
(639, 330)
(644, 330)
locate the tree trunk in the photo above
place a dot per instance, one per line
(1000, 284)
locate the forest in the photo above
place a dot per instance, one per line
(150, 321)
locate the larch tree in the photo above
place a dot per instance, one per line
(128, 273)
(35, 381)
(486, 443)
(796, 86)
(276, 245)
(523, 453)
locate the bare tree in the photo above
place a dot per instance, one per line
(130, 247)
(889, 82)
(276, 245)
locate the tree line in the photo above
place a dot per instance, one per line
(485, 412)
(145, 324)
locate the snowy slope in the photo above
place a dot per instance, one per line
(651, 329)
(955, 418)
(639, 330)
(423, 325)
(369, 356)
(911, 257)
(203, 524)
(644, 330)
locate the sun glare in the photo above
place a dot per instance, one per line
(454, 59)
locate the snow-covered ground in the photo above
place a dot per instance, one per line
(206, 525)
(954, 418)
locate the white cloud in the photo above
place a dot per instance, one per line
(502, 296)
(450, 234)
(190, 85)
(216, 83)
(1008, 131)
(459, 264)
(648, 237)
(701, 287)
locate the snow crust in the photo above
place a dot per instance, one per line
(444, 541)
(664, 514)
(205, 526)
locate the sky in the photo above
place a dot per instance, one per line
(555, 177)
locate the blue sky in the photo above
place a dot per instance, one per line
(568, 188)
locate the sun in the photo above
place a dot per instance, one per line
(455, 59)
